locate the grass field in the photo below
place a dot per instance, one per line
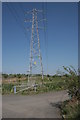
(49, 84)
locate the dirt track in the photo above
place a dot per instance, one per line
(35, 106)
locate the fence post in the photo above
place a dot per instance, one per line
(35, 87)
(14, 89)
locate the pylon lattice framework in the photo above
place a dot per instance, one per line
(35, 53)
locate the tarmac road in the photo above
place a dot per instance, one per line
(35, 106)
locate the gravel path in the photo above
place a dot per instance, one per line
(35, 106)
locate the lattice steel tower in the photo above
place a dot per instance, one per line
(36, 65)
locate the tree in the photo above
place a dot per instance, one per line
(19, 76)
(5, 75)
(48, 75)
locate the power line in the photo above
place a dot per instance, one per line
(21, 7)
(17, 15)
(44, 7)
(13, 13)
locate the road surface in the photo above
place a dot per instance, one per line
(35, 106)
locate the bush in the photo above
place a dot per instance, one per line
(7, 88)
(73, 82)
(5, 75)
(70, 109)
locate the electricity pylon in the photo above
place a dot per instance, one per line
(35, 53)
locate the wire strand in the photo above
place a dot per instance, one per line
(44, 7)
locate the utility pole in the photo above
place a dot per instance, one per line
(35, 53)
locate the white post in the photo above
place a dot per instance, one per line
(14, 89)
(35, 87)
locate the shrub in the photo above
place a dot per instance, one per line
(5, 75)
(7, 88)
(73, 82)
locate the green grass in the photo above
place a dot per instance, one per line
(70, 109)
(50, 84)
(7, 88)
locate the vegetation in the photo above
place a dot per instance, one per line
(73, 82)
(5, 75)
(13, 75)
(60, 81)
(68, 81)
(71, 108)
(50, 83)
(7, 88)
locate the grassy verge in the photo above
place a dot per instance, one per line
(71, 109)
